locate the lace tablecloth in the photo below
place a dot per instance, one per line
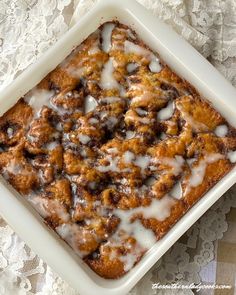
(27, 29)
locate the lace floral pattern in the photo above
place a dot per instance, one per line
(27, 29)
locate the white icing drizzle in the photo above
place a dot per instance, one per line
(176, 191)
(140, 119)
(52, 145)
(135, 229)
(46, 207)
(95, 47)
(176, 163)
(141, 161)
(154, 65)
(163, 136)
(111, 167)
(232, 156)
(93, 121)
(106, 36)
(145, 237)
(146, 95)
(130, 257)
(130, 134)
(10, 132)
(62, 111)
(107, 78)
(37, 98)
(191, 161)
(92, 185)
(112, 150)
(76, 72)
(74, 236)
(103, 115)
(83, 153)
(90, 103)
(119, 36)
(128, 260)
(70, 94)
(166, 113)
(110, 99)
(158, 209)
(83, 138)
(40, 204)
(152, 168)
(145, 120)
(132, 67)
(197, 126)
(128, 157)
(141, 112)
(198, 172)
(111, 122)
(14, 168)
(139, 87)
(221, 130)
(131, 47)
(59, 126)
(31, 138)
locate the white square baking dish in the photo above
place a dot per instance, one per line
(183, 59)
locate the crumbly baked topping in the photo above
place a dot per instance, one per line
(112, 148)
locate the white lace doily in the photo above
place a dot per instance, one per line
(27, 29)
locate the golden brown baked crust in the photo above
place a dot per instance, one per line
(112, 148)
